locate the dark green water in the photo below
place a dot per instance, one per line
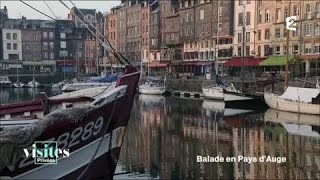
(165, 136)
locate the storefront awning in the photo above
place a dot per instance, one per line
(194, 63)
(276, 61)
(246, 61)
(309, 57)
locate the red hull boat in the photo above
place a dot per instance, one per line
(92, 135)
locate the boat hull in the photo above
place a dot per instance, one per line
(93, 135)
(281, 104)
(82, 86)
(213, 93)
(152, 90)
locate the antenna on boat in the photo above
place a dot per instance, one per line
(244, 22)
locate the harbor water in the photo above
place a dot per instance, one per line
(167, 136)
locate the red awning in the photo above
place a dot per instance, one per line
(157, 65)
(310, 57)
(248, 61)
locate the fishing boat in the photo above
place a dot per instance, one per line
(295, 99)
(5, 81)
(91, 135)
(153, 86)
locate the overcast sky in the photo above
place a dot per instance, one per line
(16, 9)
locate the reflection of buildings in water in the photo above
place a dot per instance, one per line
(165, 140)
(4, 96)
(302, 151)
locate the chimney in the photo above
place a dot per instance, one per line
(23, 18)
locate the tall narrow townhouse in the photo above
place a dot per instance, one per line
(244, 15)
(12, 45)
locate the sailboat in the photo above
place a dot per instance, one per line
(229, 93)
(153, 85)
(295, 99)
(17, 84)
(33, 83)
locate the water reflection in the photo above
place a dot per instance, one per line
(12, 95)
(165, 136)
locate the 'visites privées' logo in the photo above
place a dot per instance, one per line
(46, 152)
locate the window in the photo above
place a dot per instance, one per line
(259, 35)
(239, 51)
(308, 8)
(296, 48)
(317, 29)
(278, 14)
(51, 55)
(186, 31)
(277, 50)
(186, 17)
(267, 50)
(62, 35)
(172, 36)
(46, 55)
(63, 44)
(201, 14)
(45, 45)
(317, 48)
(308, 28)
(267, 15)
(240, 19)
(240, 2)
(247, 50)
(51, 35)
(259, 50)
(14, 36)
(307, 49)
(285, 13)
(51, 45)
(247, 36)
(248, 1)
(15, 46)
(267, 34)
(248, 18)
(220, 27)
(260, 17)
(295, 11)
(277, 32)
(8, 46)
(220, 11)
(318, 8)
(8, 35)
(295, 33)
(239, 37)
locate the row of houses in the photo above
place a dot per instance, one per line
(185, 36)
(49, 45)
(179, 37)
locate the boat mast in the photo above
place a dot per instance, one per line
(217, 43)
(148, 43)
(244, 22)
(287, 53)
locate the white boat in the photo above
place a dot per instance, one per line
(80, 86)
(152, 87)
(295, 99)
(33, 84)
(5, 81)
(213, 92)
(18, 85)
(225, 93)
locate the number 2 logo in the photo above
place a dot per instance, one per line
(291, 23)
